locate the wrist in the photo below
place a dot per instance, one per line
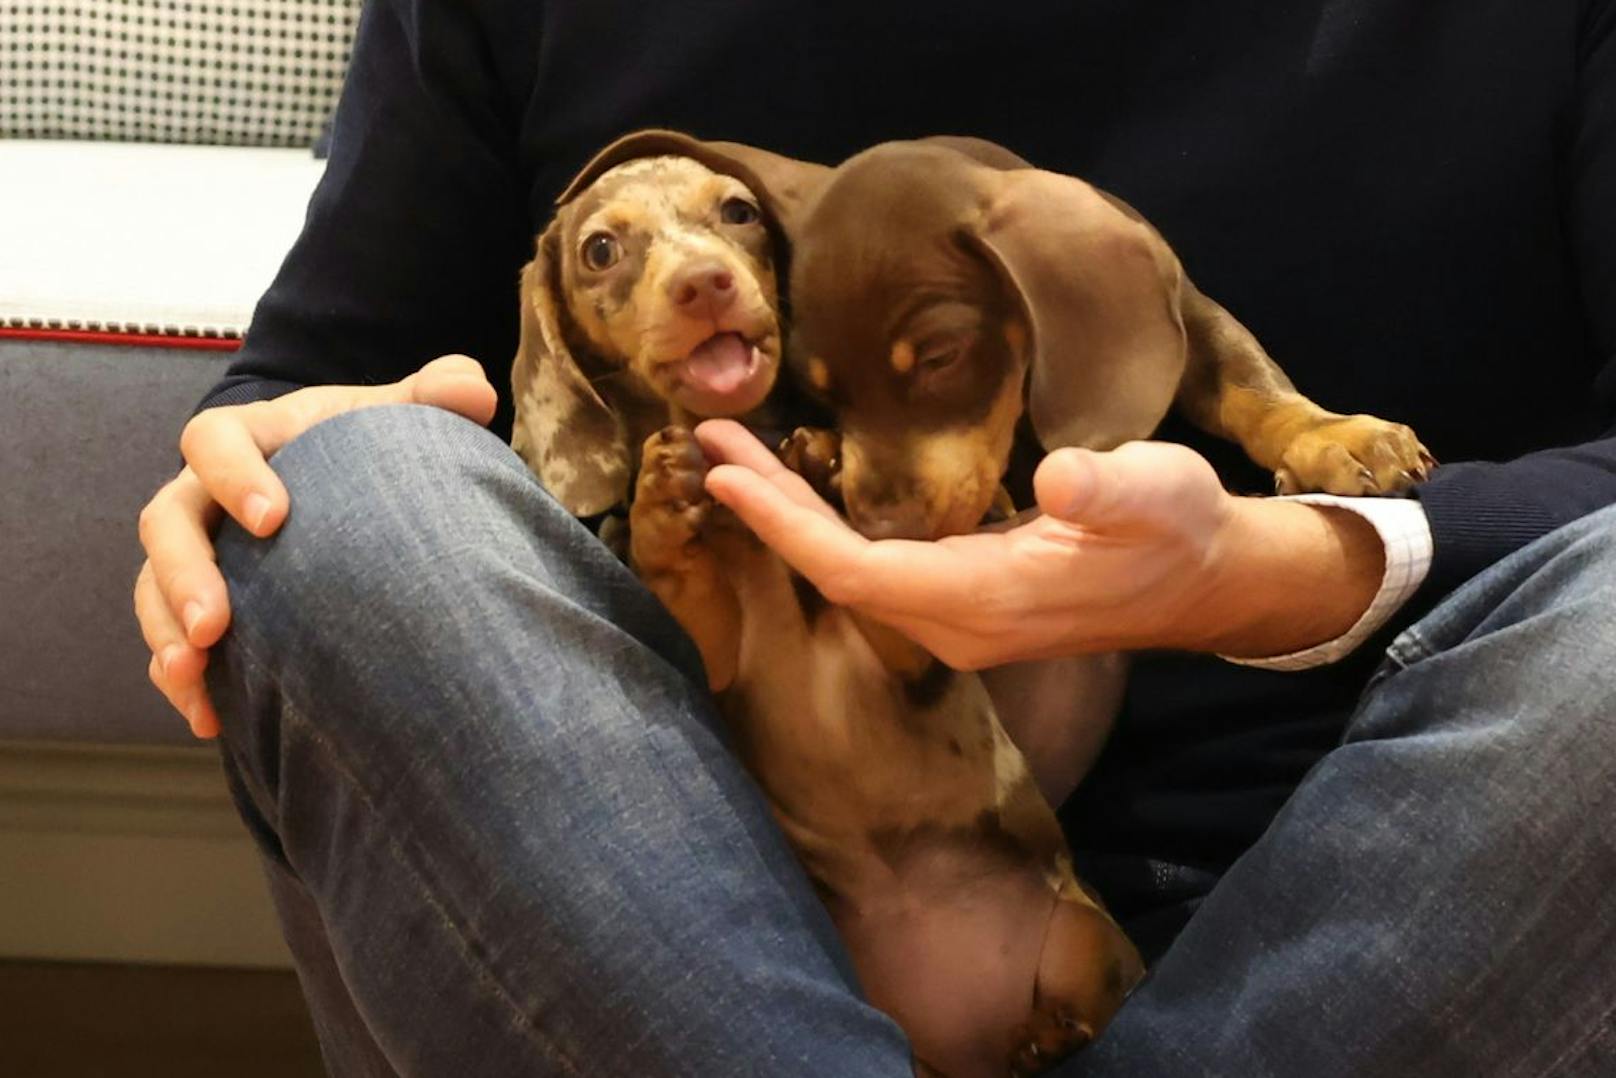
(1285, 576)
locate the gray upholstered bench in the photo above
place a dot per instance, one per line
(128, 271)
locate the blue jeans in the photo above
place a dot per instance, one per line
(505, 837)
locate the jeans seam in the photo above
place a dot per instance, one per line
(482, 973)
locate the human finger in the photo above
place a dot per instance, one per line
(228, 449)
(728, 444)
(176, 667)
(176, 532)
(456, 383)
(820, 546)
(1137, 486)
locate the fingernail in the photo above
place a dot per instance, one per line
(192, 615)
(168, 656)
(257, 510)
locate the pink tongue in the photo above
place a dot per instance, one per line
(720, 364)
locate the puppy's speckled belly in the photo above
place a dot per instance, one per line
(949, 945)
(919, 823)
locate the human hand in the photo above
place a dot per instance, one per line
(180, 597)
(1136, 548)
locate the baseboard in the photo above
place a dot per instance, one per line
(123, 854)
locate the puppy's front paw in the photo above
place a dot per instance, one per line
(1353, 455)
(671, 504)
(816, 455)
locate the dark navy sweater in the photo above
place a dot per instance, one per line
(1412, 204)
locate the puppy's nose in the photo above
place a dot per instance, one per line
(893, 522)
(704, 288)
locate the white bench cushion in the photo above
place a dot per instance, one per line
(145, 239)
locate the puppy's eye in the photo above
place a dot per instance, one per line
(738, 211)
(601, 251)
(939, 357)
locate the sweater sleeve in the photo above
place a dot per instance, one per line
(1481, 512)
(415, 235)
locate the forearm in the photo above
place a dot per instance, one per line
(1284, 576)
(1290, 586)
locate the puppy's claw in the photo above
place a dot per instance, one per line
(1027, 1061)
(1047, 1039)
(816, 455)
(1353, 455)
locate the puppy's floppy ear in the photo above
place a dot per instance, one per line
(1100, 291)
(785, 186)
(564, 431)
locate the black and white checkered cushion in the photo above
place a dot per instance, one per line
(229, 72)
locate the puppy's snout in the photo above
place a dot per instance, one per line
(703, 289)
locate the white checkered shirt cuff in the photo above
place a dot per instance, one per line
(1406, 534)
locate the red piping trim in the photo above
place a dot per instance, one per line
(149, 340)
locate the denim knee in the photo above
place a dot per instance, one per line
(370, 490)
(1521, 654)
(410, 527)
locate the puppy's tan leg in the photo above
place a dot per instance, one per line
(1233, 389)
(670, 512)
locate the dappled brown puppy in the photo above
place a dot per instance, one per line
(652, 298)
(949, 296)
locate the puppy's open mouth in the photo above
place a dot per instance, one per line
(724, 375)
(721, 364)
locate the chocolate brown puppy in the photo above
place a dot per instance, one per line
(960, 310)
(951, 299)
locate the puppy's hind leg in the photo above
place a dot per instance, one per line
(668, 520)
(1086, 969)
